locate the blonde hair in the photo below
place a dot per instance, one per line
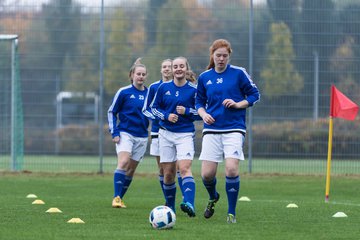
(219, 43)
(166, 60)
(189, 75)
(136, 64)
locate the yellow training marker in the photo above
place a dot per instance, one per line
(38, 201)
(292, 205)
(31, 196)
(75, 220)
(244, 199)
(54, 210)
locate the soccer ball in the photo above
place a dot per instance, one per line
(162, 217)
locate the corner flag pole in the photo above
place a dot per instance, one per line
(342, 107)
(328, 168)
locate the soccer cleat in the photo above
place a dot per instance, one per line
(231, 218)
(188, 208)
(210, 208)
(118, 203)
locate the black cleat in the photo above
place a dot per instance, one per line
(210, 208)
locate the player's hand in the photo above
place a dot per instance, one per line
(180, 110)
(229, 103)
(173, 118)
(116, 139)
(208, 119)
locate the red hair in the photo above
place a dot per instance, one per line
(219, 43)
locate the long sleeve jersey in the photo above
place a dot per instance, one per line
(125, 113)
(167, 97)
(213, 88)
(147, 110)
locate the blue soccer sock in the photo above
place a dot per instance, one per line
(126, 185)
(170, 195)
(119, 179)
(211, 188)
(188, 185)
(180, 182)
(161, 181)
(232, 187)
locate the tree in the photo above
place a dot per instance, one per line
(345, 68)
(349, 50)
(285, 11)
(232, 23)
(4, 61)
(62, 21)
(318, 25)
(279, 76)
(83, 73)
(171, 41)
(118, 54)
(288, 11)
(2, 3)
(350, 19)
(319, 33)
(198, 37)
(150, 23)
(5, 68)
(173, 24)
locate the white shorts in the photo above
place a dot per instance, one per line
(136, 146)
(216, 147)
(176, 146)
(154, 146)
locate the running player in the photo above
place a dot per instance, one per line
(129, 130)
(166, 75)
(174, 106)
(224, 92)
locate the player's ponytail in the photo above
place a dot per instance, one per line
(191, 76)
(219, 43)
(211, 62)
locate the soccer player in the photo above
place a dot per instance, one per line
(174, 105)
(129, 130)
(166, 75)
(224, 92)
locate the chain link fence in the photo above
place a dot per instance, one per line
(293, 49)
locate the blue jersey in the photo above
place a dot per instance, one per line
(213, 88)
(167, 97)
(147, 110)
(125, 113)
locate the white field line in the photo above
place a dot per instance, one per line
(292, 201)
(346, 204)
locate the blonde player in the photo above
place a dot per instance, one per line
(173, 105)
(129, 130)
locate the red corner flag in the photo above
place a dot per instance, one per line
(341, 106)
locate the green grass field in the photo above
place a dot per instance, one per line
(91, 164)
(88, 196)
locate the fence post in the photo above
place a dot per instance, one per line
(249, 128)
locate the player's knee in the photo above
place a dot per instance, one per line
(231, 172)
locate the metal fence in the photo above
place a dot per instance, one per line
(69, 50)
